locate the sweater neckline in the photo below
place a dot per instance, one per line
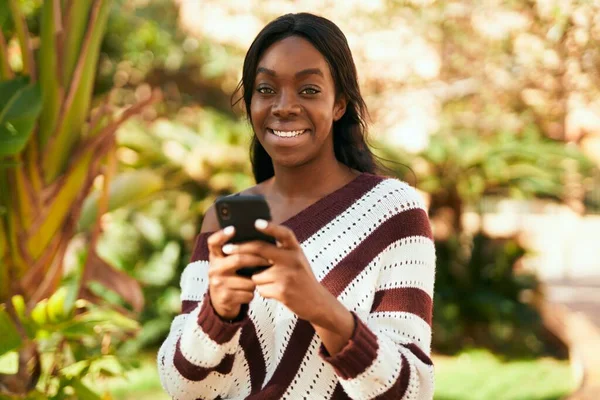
(309, 220)
(313, 218)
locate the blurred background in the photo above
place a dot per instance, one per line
(117, 133)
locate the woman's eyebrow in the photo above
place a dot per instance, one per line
(310, 71)
(304, 72)
(265, 71)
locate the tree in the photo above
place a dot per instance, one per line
(53, 146)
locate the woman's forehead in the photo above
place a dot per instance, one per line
(293, 57)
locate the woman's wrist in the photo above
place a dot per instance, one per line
(333, 315)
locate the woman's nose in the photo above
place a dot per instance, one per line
(286, 104)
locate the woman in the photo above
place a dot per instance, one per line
(344, 311)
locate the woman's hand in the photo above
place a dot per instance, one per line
(290, 279)
(229, 291)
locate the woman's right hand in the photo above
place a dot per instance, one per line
(229, 291)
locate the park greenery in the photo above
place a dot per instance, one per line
(117, 133)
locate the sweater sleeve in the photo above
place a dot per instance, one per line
(388, 355)
(201, 352)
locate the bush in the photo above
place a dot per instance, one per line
(483, 299)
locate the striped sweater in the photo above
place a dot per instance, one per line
(369, 243)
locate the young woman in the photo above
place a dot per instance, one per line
(344, 311)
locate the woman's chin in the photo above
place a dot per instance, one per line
(288, 161)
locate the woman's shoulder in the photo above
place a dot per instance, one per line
(399, 191)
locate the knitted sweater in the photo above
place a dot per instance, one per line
(369, 243)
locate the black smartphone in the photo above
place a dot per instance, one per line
(241, 211)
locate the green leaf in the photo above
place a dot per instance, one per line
(5, 18)
(49, 71)
(18, 117)
(83, 392)
(11, 340)
(9, 363)
(9, 88)
(75, 31)
(71, 123)
(124, 189)
(86, 324)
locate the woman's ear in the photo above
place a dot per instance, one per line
(339, 108)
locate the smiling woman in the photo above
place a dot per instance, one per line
(344, 310)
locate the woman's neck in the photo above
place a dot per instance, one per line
(310, 181)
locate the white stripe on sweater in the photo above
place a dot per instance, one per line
(194, 281)
(380, 376)
(403, 327)
(406, 264)
(198, 348)
(355, 224)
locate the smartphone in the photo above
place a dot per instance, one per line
(241, 211)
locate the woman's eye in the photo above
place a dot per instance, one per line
(310, 91)
(264, 90)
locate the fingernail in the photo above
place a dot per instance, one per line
(261, 223)
(229, 230)
(228, 248)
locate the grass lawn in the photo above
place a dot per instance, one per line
(475, 374)
(478, 374)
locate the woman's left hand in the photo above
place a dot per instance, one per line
(290, 279)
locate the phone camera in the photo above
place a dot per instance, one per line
(225, 214)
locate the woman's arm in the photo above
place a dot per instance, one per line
(387, 356)
(201, 356)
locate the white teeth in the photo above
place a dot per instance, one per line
(288, 133)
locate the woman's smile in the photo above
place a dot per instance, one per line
(286, 138)
(287, 134)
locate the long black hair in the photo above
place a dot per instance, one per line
(349, 132)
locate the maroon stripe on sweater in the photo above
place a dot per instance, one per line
(310, 220)
(187, 306)
(215, 328)
(254, 356)
(200, 251)
(412, 222)
(290, 362)
(406, 299)
(249, 343)
(398, 390)
(420, 354)
(196, 373)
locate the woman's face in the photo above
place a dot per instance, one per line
(294, 103)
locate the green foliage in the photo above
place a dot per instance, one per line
(138, 39)
(152, 242)
(11, 340)
(482, 299)
(126, 188)
(521, 165)
(199, 155)
(20, 105)
(77, 342)
(52, 147)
